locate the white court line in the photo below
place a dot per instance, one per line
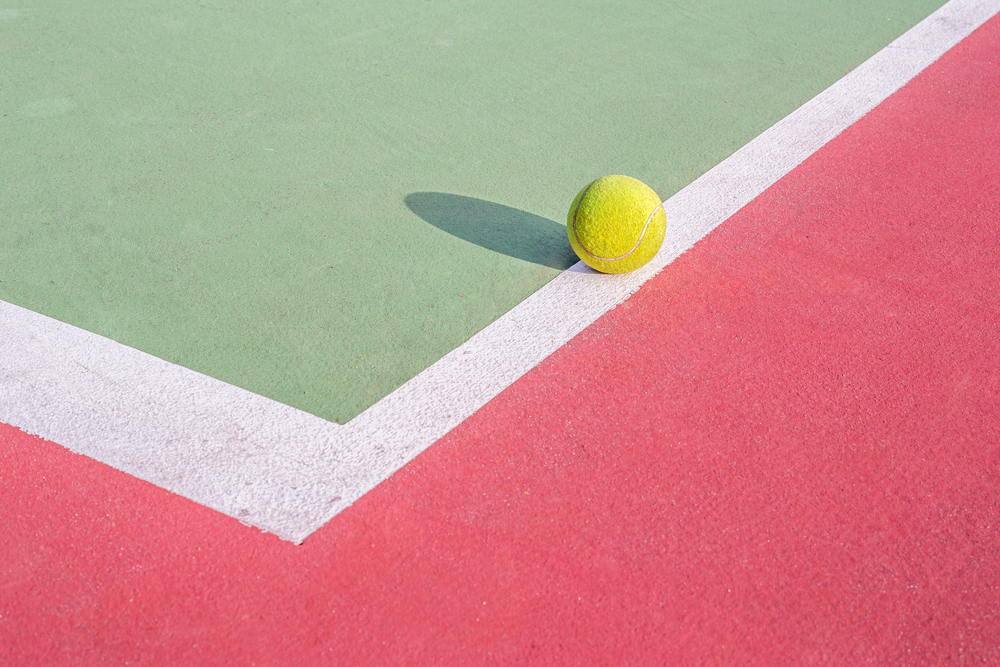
(289, 472)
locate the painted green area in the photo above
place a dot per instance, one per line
(316, 201)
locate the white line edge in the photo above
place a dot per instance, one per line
(288, 472)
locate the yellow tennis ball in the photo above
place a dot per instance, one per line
(616, 224)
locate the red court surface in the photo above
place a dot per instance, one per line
(783, 450)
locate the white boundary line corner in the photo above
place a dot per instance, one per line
(288, 472)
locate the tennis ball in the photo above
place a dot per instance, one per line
(616, 224)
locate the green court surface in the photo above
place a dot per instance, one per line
(316, 201)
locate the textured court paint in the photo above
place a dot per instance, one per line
(803, 472)
(294, 473)
(223, 184)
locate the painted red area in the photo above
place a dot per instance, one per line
(783, 450)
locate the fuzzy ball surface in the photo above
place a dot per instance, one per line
(616, 224)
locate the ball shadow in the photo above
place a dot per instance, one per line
(496, 227)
